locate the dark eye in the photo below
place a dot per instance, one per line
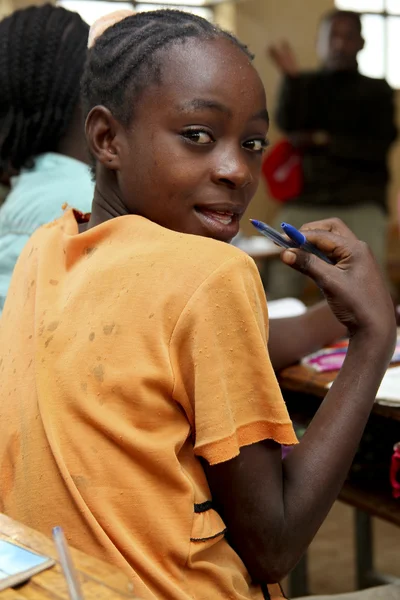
(256, 145)
(198, 136)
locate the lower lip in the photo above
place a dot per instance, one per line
(216, 229)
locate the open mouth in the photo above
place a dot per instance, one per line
(221, 224)
(223, 217)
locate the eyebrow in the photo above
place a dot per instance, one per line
(202, 104)
(262, 114)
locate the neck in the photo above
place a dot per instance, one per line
(107, 201)
(345, 69)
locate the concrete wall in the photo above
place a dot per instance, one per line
(7, 6)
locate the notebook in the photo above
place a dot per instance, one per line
(18, 564)
(389, 391)
(332, 357)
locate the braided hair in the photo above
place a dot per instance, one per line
(126, 57)
(42, 55)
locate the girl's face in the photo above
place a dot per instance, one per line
(191, 158)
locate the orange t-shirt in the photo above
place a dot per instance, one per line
(127, 352)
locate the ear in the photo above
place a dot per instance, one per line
(103, 134)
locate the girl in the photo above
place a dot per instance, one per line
(42, 149)
(139, 406)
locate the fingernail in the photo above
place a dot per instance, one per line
(289, 257)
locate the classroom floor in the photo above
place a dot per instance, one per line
(331, 556)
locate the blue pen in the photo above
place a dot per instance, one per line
(273, 235)
(300, 239)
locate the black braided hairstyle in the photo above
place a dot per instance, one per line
(127, 57)
(42, 54)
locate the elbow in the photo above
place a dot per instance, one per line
(273, 570)
(273, 564)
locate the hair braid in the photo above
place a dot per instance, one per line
(126, 57)
(42, 55)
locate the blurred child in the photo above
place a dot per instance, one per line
(42, 148)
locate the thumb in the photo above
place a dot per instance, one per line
(306, 263)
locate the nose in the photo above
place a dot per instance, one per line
(233, 171)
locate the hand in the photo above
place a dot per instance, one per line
(354, 286)
(284, 58)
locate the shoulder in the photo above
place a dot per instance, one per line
(176, 262)
(309, 77)
(200, 257)
(376, 86)
(303, 79)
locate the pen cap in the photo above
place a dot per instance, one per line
(294, 233)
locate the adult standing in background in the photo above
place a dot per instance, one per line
(42, 146)
(343, 124)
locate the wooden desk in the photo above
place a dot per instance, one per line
(301, 379)
(304, 388)
(99, 580)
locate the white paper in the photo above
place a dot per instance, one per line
(286, 307)
(389, 390)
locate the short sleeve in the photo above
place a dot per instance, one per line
(223, 376)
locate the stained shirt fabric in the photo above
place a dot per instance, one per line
(127, 353)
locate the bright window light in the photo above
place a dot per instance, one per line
(371, 59)
(381, 31)
(91, 10)
(201, 11)
(393, 7)
(393, 49)
(361, 5)
(176, 2)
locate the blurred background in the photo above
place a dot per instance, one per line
(262, 22)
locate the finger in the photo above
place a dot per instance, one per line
(276, 56)
(286, 47)
(333, 245)
(273, 52)
(308, 264)
(334, 225)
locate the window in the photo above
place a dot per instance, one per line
(91, 10)
(381, 30)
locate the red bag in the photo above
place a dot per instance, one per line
(282, 171)
(395, 472)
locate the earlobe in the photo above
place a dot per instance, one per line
(101, 133)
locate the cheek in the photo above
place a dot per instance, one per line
(183, 175)
(252, 188)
